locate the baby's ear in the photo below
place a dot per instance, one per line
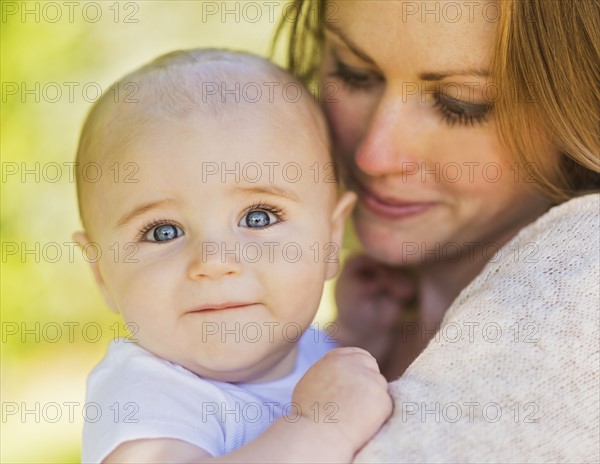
(341, 212)
(82, 240)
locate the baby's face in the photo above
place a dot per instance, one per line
(218, 253)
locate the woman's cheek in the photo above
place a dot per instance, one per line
(471, 161)
(341, 128)
(348, 117)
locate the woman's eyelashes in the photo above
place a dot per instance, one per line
(353, 78)
(455, 111)
(451, 110)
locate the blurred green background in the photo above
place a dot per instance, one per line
(54, 58)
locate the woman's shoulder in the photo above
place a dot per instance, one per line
(516, 357)
(579, 214)
(542, 286)
(537, 299)
(559, 246)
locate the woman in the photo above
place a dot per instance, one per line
(470, 131)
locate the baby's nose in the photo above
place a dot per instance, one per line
(216, 260)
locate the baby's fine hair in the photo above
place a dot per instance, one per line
(177, 85)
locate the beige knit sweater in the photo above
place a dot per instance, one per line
(513, 374)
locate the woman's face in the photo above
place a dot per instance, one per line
(410, 104)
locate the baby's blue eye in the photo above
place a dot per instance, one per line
(163, 233)
(258, 219)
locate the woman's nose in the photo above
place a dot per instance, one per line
(390, 143)
(215, 260)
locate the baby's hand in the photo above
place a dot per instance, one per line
(350, 394)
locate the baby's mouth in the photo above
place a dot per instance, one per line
(211, 307)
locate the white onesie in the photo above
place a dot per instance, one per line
(133, 394)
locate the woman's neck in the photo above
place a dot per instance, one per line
(441, 281)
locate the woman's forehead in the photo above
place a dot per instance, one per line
(439, 35)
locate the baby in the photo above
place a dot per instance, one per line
(228, 228)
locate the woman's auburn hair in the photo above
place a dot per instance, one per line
(546, 70)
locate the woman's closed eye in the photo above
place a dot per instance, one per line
(354, 78)
(455, 111)
(451, 110)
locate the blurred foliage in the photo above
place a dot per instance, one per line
(50, 308)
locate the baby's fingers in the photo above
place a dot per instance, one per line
(355, 355)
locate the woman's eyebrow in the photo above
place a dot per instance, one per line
(424, 76)
(349, 43)
(438, 76)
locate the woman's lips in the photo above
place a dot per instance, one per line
(392, 208)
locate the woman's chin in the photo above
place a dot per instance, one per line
(388, 246)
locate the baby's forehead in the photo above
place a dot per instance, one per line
(251, 100)
(273, 124)
(278, 144)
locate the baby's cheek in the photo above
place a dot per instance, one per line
(141, 290)
(300, 261)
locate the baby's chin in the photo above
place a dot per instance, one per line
(238, 362)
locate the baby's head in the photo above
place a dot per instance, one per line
(213, 201)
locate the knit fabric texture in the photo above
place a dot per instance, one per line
(513, 373)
